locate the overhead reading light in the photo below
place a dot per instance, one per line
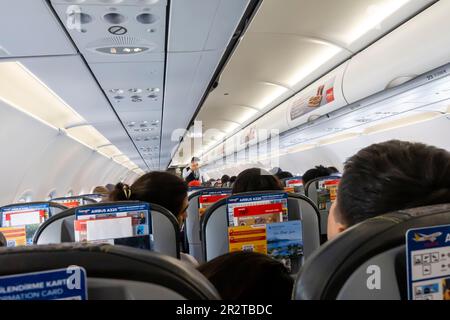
(21, 89)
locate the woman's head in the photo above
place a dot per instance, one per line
(256, 179)
(248, 275)
(162, 188)
(225, 178)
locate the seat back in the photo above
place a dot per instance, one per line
(112, 272)
(72, 202)
(294, 185)
(97, 197)
(322, 192)
(165, 228)
(19, 222)
(199, 201)
(214, 224)
(346, 267)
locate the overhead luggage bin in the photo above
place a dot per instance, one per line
(164, 229)
(113, 272)
(344, 268)
(416, 47)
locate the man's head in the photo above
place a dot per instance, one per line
(194, 163)
(386, 177)
(314, 173)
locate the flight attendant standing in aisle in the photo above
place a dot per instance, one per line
(193, 172)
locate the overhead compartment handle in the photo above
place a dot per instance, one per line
(400, 80)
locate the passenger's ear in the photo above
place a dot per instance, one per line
(334, 226)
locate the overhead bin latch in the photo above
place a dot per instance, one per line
(400, 80)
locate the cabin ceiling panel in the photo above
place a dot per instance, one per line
(112, 31)
(39, 31)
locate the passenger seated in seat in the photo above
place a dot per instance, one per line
(103, 191)
(158, 187)
(3, 241)
(248, 275)
(225, 180)
(232, 181)
(386, 177)
(283, 175)
(256, 179)
(317, 172)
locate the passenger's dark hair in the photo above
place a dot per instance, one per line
(333, 170)
(255, 179)
(195, 159)
(275, 170)
(225, 178)
(391, 176)
(162, 188)
(284, 175)
(248, 275)
(317, 172)
(3, 241)
(233, 179)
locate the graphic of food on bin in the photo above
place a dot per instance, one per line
(315, 101)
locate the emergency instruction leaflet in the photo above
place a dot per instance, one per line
(69, 202)
(326, 193)
(115, 224)
(428, 263)
(60, 284)
(260, 209)
(294, 185)
(19, 223)
(282, 241)
(208, 198)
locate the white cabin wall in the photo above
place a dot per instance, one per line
(38, 158)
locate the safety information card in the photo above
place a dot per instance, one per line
(428, 263)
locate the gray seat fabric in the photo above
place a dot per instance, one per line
(165, 229)
(214, 225)
(338, 270)
(311, 192)
(114, 272)
(193, 224)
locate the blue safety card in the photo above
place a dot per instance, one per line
(428, 263)
(61, 284)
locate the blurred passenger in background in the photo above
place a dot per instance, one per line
(256, 179)
(317, 172)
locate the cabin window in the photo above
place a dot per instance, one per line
(27, 196)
